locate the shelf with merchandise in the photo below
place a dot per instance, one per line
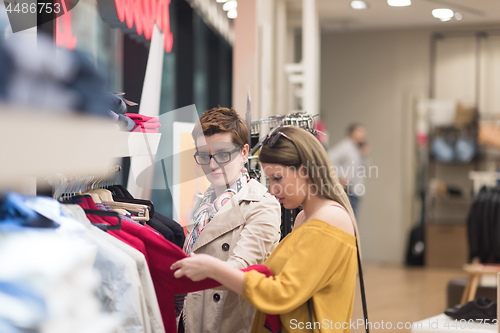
(40, 143)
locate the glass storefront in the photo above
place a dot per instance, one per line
(82, 29)
(198, 69)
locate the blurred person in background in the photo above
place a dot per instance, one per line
(350, 159)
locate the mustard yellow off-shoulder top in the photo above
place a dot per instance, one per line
(315, 260)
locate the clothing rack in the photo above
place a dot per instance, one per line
(74, 153)
(483, 178)
(66, 187)
(298, 119)
(259, 130)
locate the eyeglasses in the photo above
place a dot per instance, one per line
(220, 158)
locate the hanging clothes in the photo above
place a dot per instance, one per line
(41, 267)
(151, 302)
(483, 226)
(120, 290)
(169, 228)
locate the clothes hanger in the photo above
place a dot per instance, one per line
(100, 195)
(95, 197)
(105, 196)
(104, 226)
(85, 182)
(90, 178)
(139, 207)
(138, 201)
(60, 186)
(142, 210)
(75, 182)
(116, 198)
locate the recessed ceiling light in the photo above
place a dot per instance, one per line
(458, 16)
(358, 4)
(444, 14)
(221, 0)
(399, 3)
(231, 4)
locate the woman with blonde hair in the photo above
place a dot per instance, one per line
(314, 267)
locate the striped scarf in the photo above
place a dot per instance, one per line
(207, 208)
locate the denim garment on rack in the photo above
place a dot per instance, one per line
(465, 149)
(15, 213)
(442, 150)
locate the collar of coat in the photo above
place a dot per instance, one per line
(228, 218)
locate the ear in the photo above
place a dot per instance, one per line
(244, 152)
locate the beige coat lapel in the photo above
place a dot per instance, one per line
(229, 216)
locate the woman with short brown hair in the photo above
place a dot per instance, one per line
(236, 221)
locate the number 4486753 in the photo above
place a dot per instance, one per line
(34, 8)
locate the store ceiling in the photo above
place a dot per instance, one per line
(338, 14)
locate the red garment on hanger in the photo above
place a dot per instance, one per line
(130, 240)
(140, 117)
(161, 254)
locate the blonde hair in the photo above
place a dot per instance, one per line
(301, 149)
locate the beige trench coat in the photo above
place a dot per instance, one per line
(244, 232)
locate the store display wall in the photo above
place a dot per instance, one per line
(374, 77)
(370, 77)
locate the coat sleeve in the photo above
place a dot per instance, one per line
(260, 234)
(316, 256)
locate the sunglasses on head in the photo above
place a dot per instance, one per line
(273, 137)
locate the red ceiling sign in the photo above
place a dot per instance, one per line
(64, 30)
(139, 15)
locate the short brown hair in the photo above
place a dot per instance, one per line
(222, 120)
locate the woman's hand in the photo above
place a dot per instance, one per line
(196, 267)
(202, 266)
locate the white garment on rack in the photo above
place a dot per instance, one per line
(121, 289)
(152, 307)
(122, 286)
(58, 269)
